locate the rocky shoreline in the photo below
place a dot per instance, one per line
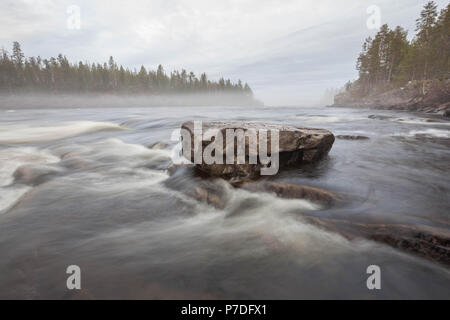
(431, 96)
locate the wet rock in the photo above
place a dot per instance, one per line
(212, 194)
(444, 106)
(351, 137)
(158, 145)
(75, 163)
(444, 109)
(429, 110)
(429, 242)
(69, 155)
(207, 195)
(212, 191)
(74, 160)
(35, 174)
(186, 179)
(379, 117)
(292, 191)
(297, 146)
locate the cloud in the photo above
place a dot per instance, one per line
(289, 51)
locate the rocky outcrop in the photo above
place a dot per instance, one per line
(446, 111)
(429, 96)
(429, 242)
(297, 146)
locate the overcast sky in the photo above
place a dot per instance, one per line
(289, 51)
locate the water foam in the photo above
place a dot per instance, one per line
(17, 134)
(264, 222)
(420, 121)
(115, 152)
(10, 160)
(10, 195)
(436, 133)
(319, 119)
(13, 158)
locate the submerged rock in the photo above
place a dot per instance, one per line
(379, 117)
(293, 191)
(158, 145)
(432, 243)
(351, 137)
(208, 194)
(213, 191)
(35, 174)
(297, 146)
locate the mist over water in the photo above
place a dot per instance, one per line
(86, 185)
(38, 100)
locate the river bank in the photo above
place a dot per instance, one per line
(430, 96)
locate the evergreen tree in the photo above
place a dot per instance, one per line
(59, 75)
(425, 26)
(389, 60)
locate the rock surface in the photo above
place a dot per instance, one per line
(35, 174)
(297, 145)
(429, 242)
(379, 117)
(292, 191)
(351, 137)
(428, 96)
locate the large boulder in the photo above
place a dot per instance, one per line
(296, 146)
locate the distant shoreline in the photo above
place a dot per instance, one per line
(426, 96)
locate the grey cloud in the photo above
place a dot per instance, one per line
(288, 51)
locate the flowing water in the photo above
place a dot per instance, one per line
(83, 187)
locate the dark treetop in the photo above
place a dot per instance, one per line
(58, 75)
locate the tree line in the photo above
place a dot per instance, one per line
(389, 60)
(58, 75)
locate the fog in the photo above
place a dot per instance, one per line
(50, 101)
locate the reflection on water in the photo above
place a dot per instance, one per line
(89, 187)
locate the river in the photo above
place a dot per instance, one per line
(94, 191)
